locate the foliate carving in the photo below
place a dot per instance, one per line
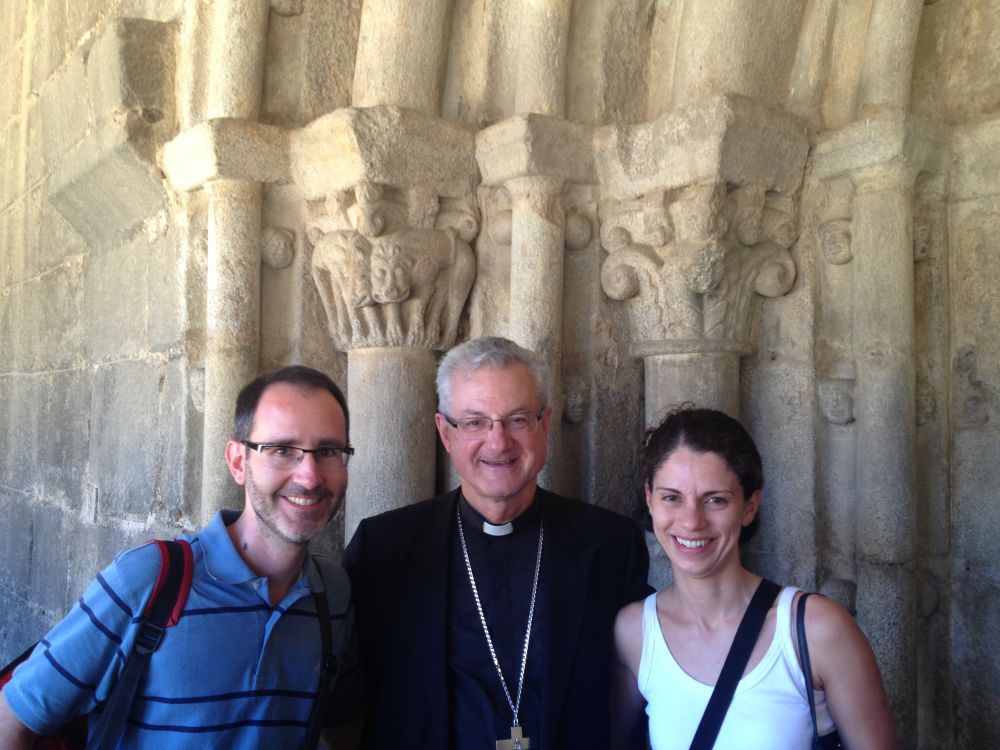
(680, 262)
(393, 270)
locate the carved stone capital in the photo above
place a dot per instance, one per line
(695, 291)
(393, 269)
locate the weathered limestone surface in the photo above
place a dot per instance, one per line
(786, 210)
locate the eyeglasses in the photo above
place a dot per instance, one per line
(290, 456)
(522, 423)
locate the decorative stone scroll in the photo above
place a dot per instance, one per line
(690, 262)
(393, 268)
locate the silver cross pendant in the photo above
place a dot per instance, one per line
(517, 741)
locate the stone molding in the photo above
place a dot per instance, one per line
(106, 182)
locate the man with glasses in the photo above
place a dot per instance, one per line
(242, 665)
(485, 614)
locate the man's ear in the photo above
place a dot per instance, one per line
(442, 426)
(236, 457)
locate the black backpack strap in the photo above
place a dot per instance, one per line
(168, 597)
(800, 631)
(328, 667)
(736, 662)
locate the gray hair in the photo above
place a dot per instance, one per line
(493, 352)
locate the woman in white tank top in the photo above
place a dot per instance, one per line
(702, 478)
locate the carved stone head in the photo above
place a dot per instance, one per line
(577, 399)
(836, 400)
(835, 239)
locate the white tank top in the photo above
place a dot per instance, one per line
(769, 710)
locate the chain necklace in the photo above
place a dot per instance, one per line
(517, 742)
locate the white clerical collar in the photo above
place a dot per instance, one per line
(474, 519)
(493, 530)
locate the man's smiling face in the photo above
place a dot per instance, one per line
(295, 504)
(498, 469)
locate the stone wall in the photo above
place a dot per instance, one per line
(788, 210)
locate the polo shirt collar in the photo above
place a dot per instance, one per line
(222, 560)
(224, 563)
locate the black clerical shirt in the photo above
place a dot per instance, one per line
(504, 568)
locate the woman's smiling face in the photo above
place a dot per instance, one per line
(698, 510)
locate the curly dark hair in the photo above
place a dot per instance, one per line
(705, 431)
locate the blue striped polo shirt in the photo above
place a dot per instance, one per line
(235, 672)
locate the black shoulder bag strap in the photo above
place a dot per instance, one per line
(800, 631)
(830, 741)
(170, 590)
(736, 662)
(328, 667)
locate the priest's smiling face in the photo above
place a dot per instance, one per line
(498, 468)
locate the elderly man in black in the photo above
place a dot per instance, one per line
(486, 613)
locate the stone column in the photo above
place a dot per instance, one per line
(709, 379)
(543, 35)
(536, 286)
(392, 425)
(886, 503)
(891, 43)
(882, 155)
(232, 324)
(402, 51)
(233, 82)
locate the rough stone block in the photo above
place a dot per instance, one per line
(178, 453)
(226, 149)
(977, 160)
(65, 111)
(13, 24)
(387, 145)
(131, 68)
(50, 559)
(116, 305)
(57, 239)
(50, 35)
(82, 18)
(22, 419)
(12, 61)
(5, 279)
(63, 400)
(16, 246)
(728, 138)
(15, 542)
(35, 166)
(976, 670)
(975, 510)
(529, 145)
(108, 184)
(52, 322)
(122, 468)
(7, 145)
(167, 323)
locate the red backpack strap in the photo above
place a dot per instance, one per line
(174, 580)
(165, 605)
